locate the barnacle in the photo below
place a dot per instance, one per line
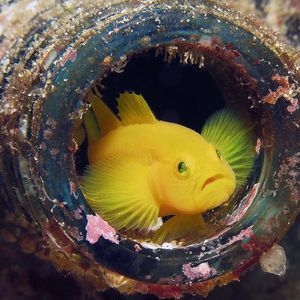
(67, 48)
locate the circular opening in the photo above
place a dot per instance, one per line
(186, 92)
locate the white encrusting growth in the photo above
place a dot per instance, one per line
(274, 261)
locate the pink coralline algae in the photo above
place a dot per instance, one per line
(97, 227)
(244, 234)
(202, 271)
(71, 55)
(287, 167)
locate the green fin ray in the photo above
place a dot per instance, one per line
(233, 137)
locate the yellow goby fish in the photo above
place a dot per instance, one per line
(142, 168)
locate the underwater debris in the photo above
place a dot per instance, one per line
(285, 90)
(243, 235)
(202, 271)
(274, 261)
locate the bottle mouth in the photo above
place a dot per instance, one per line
(44, 99)
(185, 83)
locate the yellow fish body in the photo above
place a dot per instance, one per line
(142, 168)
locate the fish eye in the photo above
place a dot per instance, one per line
(219, 154)
(182, 168)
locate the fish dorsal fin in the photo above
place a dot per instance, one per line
(133, 109)
(233, 136)
(118, 190)
(105, 118)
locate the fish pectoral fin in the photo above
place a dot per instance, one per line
(133, 109)
(118, 190)
(105, 118)
(233, 136)
(180, 226)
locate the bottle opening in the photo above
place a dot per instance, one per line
(185, 84)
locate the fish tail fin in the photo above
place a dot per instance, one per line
(180, 226)
(233, 136)
(103, 116)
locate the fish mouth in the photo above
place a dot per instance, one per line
(211, 180)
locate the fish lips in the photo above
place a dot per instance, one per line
(214, 191)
